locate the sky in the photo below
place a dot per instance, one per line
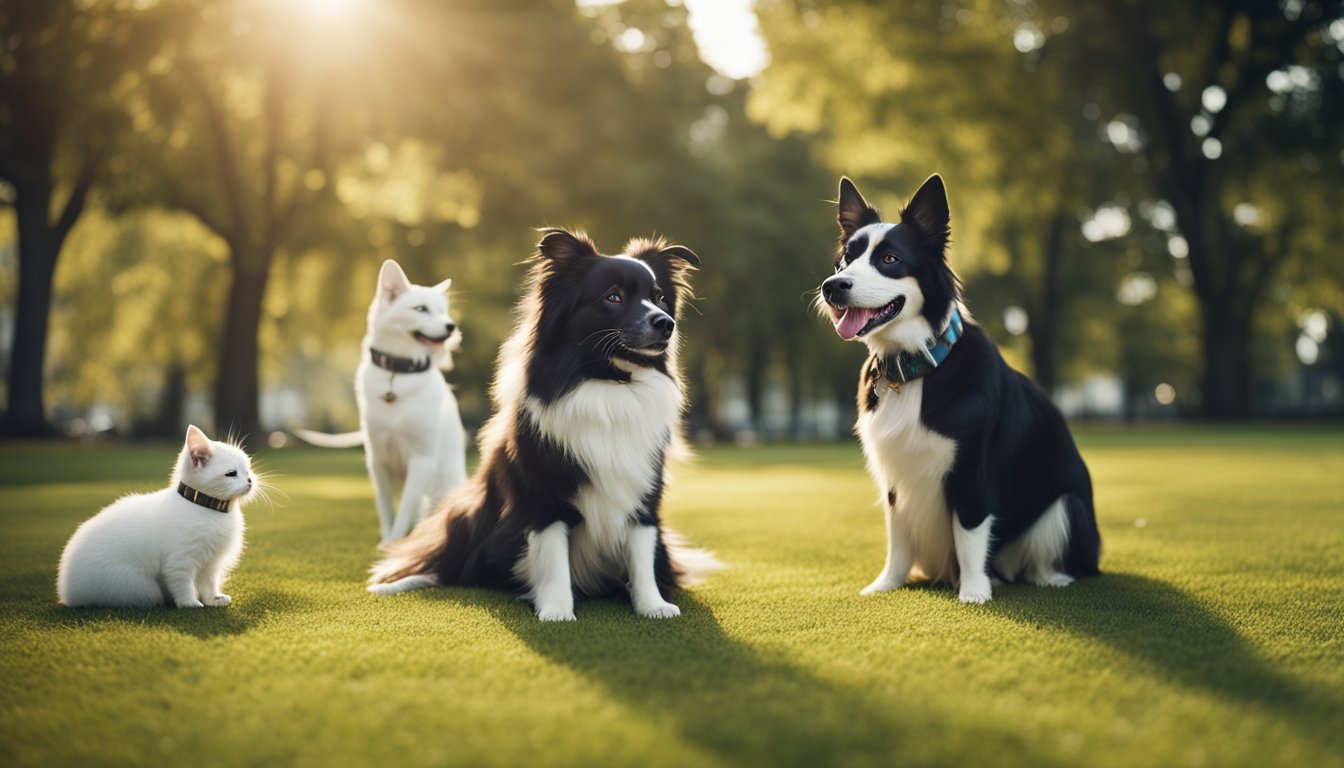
(725, 31)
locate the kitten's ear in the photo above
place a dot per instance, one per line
(444, 286)
(854, 212)
(928, 211)
(561, 245)
(392, 281)
(198, 446)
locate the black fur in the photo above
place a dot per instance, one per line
(526, 482)
(1014, 453)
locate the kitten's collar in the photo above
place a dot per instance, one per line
(399, 364)
(196, 497)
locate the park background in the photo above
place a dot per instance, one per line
(1146, 204)
(196, 195)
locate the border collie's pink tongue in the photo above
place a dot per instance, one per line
(850, 323)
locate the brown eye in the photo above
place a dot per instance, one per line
(615, 297)
(889, 259)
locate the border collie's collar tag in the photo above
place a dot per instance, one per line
(399, 364)
(196, 497)
(905, 367)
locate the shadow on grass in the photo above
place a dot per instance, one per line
(722, 696)
(1169, 631)
(241, 616)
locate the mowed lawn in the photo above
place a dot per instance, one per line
(1215, 636)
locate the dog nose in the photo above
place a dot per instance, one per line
(450, 327)
(249, 481)
(834, 288)
(663, 324)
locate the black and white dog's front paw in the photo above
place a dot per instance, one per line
(976, 590)
(657, 610)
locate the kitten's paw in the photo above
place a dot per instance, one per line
(976, 591)
(192, 603)
(881, 584)
(219, 601)
(1055, 579)
(659, 610)
(555, 614)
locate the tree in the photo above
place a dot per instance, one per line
(58, 66)
(1209, 85)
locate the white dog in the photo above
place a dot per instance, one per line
(409, 422)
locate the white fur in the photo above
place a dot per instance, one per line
(414, 444)
(545, 566)
(418, 581)
(1037, 553)
(973, 560)
(906, 457)
(641, 543)
(616, 432)
(146, 548)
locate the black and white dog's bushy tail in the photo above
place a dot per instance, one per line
(1084, 552)
(691, 565)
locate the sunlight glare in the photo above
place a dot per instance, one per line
(330, 8)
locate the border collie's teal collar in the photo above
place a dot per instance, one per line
(904, 367)
(399, 364)
(196, 497)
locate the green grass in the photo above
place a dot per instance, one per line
(1215, 637)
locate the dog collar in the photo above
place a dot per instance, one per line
(196, 497)
(904, 367)
(399, 364)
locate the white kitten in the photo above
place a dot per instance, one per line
(179, 543)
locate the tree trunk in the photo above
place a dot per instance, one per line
(755, 380)
(238, 383)
(1227, 377)
(1045, 324)
(39, 246)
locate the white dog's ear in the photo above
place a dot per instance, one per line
(444, 286)
(198, 446)
(392, 281)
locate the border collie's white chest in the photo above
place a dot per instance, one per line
(617, 433)
(906, 457)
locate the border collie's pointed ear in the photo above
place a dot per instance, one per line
(928, 212)
(198, 446)
(558, 245)
(392, 281)
(855, 212)
(683, 253)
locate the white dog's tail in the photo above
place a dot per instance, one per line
(693, 565)
(418, 581)
(324, 440)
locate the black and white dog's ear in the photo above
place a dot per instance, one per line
(683, 253)
(928, 212)
(855, 212)
(671, 264)
(562, 245)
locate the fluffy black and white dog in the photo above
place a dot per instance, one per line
(977, 469)
(588, 403)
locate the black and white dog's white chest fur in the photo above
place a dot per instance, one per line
(978, 472)
(566, 500)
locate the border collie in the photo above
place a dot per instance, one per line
(409, 423)
(587, 406)
(978, 472)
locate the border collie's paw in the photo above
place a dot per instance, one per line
(1054, 579)
(219, 601)
(658, 611)
(976, 591)
(555, 614)
(881, 584)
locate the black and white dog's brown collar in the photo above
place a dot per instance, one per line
(196, 497)
(399, 364)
